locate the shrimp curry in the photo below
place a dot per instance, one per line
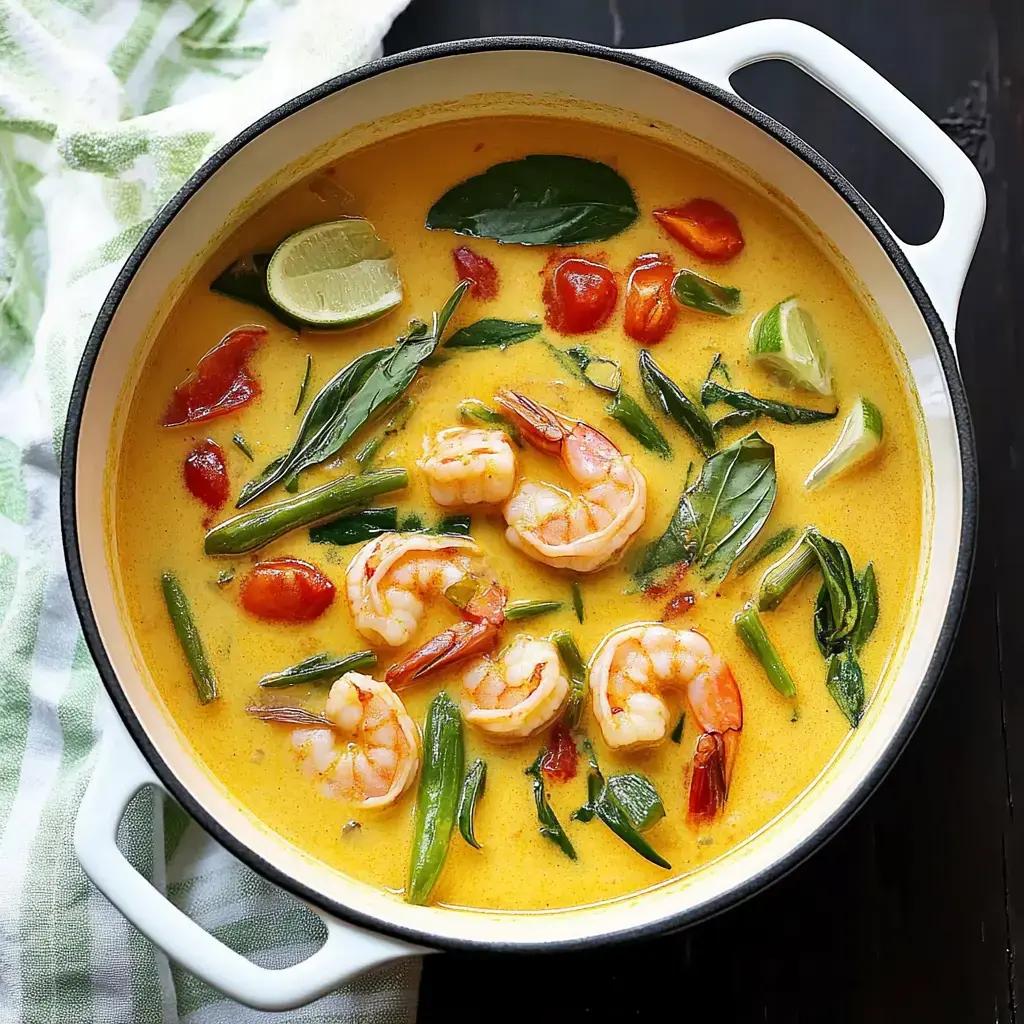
(505, 514)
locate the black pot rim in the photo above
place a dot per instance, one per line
(965, 553)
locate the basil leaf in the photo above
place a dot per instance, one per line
(458, 526)
(491, 333)
(356, 527)
(774, 543)
(543, 199)
(550, 826)
(783, 412)
(867, 594)
(675, 545)
(703, 294)
(843, 601)
(845, 681)
(736, 418)
(246, 281)
(667, 396)
(369, 383)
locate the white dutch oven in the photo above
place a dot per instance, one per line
(686, 86)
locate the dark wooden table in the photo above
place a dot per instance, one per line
(913, 912)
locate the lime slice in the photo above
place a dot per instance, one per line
(335, 275)
(785, 342)
(860, 437)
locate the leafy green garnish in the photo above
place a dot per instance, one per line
(676, 736)
(491, 333)
(471, 410)
(472, 790)
(577, 601)
(628, 804)
(246, 281)
(718, 515)
(305, 384)
(774, 543)
(550, 826)
(319, 668)
(783, 412)
(543, 199)
(239, 442)
(519, 610)
(667, 396)
(706, 295)
(867, 594)
(356, 527)
(572, 662)
(845, 681)
(400, 414)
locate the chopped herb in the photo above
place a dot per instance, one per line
(577, 601)
(769, 547)
(572, 662)
(356, 527)
(319, 668)
(783, 412)
(677, 733)
(472, 790)
(519, 610)
(550, 826)
(239, 443)
(399, 417)
(303, 385)
(491, 333)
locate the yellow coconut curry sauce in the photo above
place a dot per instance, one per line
(785, 741)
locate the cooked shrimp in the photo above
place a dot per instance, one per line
(468, 466)
(518, 692)
(584, 532)
(372, 754)
(629, 674)
(390, 580)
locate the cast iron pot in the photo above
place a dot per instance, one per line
(681, 88)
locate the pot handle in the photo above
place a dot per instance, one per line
(120, 772)
(941, 264)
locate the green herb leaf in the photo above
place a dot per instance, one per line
(626, 411)
(667, 396)
(845, 681)
(369, 383)
(627, 804)
(239, 442)
(438, 798)
(519, 610)
(303, 385)
(491, 333)
(473, 411)
(736, 418)
(703, 294)
(356, 527)
(543, 199)
(472, 790)
(399, 417)
(677, 733)
(456, 526)
(319, 668)
(783, 412)
(839, 581)
(717, 516)
(572, 662)
(550, 826)
(246, 281)
(867, 594)
(577, 601)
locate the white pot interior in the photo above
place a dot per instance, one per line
(518, 81)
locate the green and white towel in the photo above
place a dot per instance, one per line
(106, 107)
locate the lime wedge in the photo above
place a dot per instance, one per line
(785, 342)
(860, 437)
(335, 275)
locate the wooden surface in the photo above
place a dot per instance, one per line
(914, 912)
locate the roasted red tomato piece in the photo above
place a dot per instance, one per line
(651, 311)
(286, 590)
(479, 269)
(705, 227)
(559, 763)
(221, 382)
(579, 296)
(206, 474)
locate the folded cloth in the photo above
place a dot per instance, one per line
(106, 107)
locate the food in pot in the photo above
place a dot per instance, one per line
(582, 567)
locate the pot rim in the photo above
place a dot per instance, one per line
(947, 359)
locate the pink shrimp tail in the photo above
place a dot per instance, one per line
(463, 640)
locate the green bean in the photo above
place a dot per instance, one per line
(751, 629)
(438, 798)
(781, 577)
(188, 636)
(254, 529)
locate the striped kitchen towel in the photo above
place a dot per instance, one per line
(106, 107)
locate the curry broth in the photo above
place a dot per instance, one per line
(159, 525)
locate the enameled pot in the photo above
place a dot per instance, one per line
(682, 88)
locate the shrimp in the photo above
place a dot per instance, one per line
(372, 754)
(585, 532)
(389, 581)
(468, 466)
(518, 692)
(629, 673)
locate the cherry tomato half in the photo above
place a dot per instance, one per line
(206, 474)
(479, 269)
(559, 764)
(705, 227)
(651, 311)
(221, 381)
(286, 590)
(579, 296)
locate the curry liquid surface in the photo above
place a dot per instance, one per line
(875, 511)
